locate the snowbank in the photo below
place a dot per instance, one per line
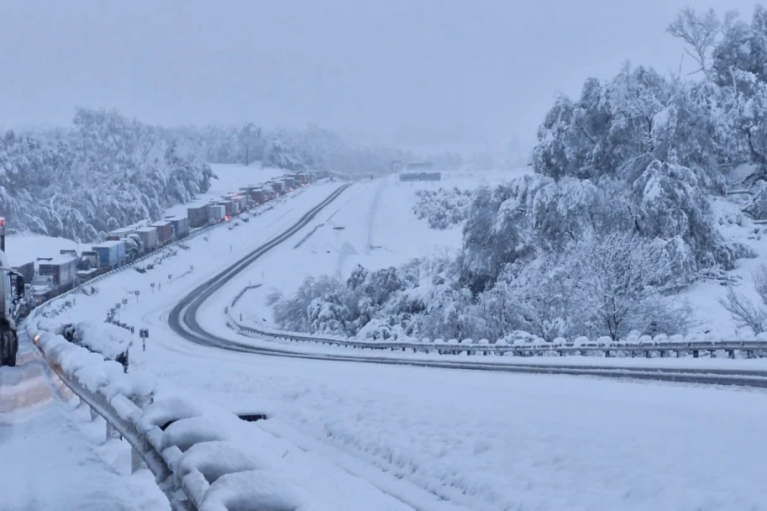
(256, 489)
(105, 338)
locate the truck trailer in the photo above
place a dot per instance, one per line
(148, 237)
(216, 213)
(228, 207)
(108, 254)
(198, 216)
(180, 226)
(164, 232)
(63, 270)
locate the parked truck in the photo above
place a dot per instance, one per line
(198, 216)
(258, 195)
(108, 254)
(164, 232)
(216, 213)
(89, 259)
(228, 207)
(148, 237)
(11, 299)
(63, 270)
(180, 226)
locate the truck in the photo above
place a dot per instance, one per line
(180, 226)
(258, 196)
(197, 215)
(164, 232)
(216, 213)
(148, 237)
(276, 186)
(41, 288)
(88, 260)
(108, 254)
(63, 270)
(289, 183)
(121, 251)
(11, 301)
(228, 207)
(240, 204)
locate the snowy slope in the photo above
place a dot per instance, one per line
(703, 297)
(374, 226)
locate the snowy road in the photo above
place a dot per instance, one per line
(495, 441)
(435, 439)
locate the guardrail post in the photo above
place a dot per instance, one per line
(695, 353)
(94, 415)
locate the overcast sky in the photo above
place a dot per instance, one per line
(399, 72)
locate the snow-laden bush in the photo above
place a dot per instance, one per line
(442, 208)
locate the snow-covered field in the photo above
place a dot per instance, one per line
(373, 226)
(481, 441)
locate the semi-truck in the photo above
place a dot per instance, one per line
(11, 297)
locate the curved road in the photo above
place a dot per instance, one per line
(183, 321)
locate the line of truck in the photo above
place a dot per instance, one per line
(38, 281)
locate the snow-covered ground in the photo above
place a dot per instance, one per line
(494, 441)
(373, 226)
(54, 457)
(481, 441)
(703, 297)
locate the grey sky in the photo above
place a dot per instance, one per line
(392, 71)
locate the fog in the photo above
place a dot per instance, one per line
(402, 72)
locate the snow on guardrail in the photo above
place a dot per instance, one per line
(522, 344)
(189, 448)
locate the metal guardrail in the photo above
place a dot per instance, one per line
(143, 452)
(151, 428)
(664, 349)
